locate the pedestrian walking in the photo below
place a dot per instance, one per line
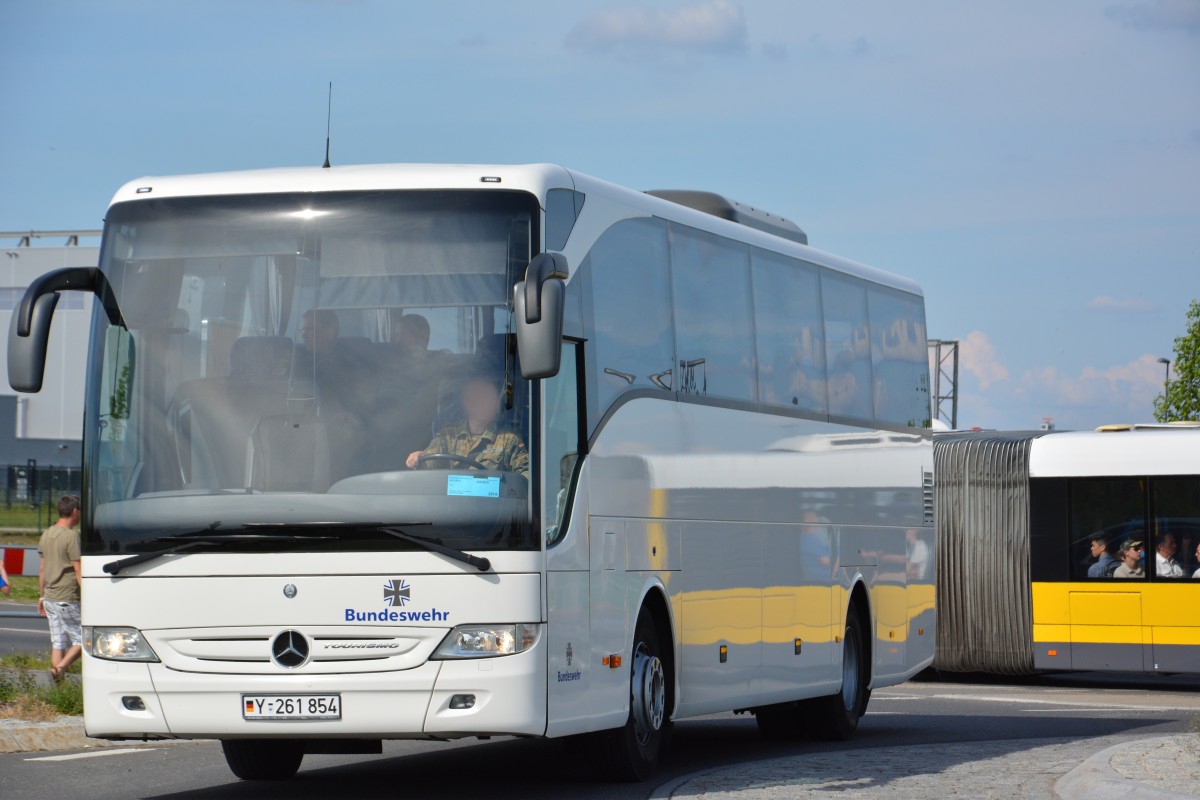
(58, 586)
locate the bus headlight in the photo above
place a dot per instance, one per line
(117, 644)
(484, 641)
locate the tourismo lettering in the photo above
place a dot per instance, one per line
(388, 615)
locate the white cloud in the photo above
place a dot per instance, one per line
(1106, 302)
(977, 355)
(712, 26)
(1125, 388)
(1159, 14)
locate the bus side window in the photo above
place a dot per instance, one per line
(562, 442)
(1176, 528)
(1049, 541)
(630, 323)
(898, 357)
(847, 346)
(714, 323)
(790, 336)
(118, 416)
(1106, 513)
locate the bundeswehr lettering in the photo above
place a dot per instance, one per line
(390, 615)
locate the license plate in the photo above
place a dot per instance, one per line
(291, 706)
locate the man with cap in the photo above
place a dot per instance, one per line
(1130, 558)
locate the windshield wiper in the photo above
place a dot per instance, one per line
(203, 538)
(478, 562)
(207, 536)
(115, 567)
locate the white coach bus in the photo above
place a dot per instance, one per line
(413, 451)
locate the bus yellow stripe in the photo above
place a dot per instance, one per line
(1110, 612)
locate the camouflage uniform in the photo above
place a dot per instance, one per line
(496, 449)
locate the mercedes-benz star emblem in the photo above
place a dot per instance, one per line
(290, 649)
(289, 591)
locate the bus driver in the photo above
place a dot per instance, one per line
(479, 437)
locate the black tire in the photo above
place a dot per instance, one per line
(263, 759)
(630, 753)
(835, 718)
(781, 723)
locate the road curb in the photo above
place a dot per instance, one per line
(64, 733)
(667, 790)
(1095, 779)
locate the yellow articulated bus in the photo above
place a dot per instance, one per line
(1069, 550)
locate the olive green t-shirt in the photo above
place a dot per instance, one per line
(58, 547)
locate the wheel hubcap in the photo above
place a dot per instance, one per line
(850, 673)
(649, 693)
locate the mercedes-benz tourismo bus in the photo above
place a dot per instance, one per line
(379, 452)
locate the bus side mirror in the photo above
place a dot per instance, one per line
(538, 308)
(27, 354)
(29, 330)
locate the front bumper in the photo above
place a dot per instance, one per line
(510, 699)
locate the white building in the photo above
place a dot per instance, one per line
(47, 426)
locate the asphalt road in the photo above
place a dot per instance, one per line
(914, 713)
(22, 634)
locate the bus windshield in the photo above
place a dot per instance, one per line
(340, 359)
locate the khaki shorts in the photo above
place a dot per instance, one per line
(65, 631)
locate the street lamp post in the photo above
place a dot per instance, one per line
(1166, 362)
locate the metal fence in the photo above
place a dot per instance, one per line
(37, 488)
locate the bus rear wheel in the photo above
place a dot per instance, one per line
(835, 717)
(631, 752)
(263, 759)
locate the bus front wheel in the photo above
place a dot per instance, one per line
(263, 759)
(631, 752)
(835, 718)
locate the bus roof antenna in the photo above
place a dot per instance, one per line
(328, 120)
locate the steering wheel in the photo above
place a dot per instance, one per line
(464, 460)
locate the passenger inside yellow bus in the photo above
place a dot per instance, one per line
(1131, 558)
(1158, 515)
(1105, 564)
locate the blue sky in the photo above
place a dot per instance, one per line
(1035, 166)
